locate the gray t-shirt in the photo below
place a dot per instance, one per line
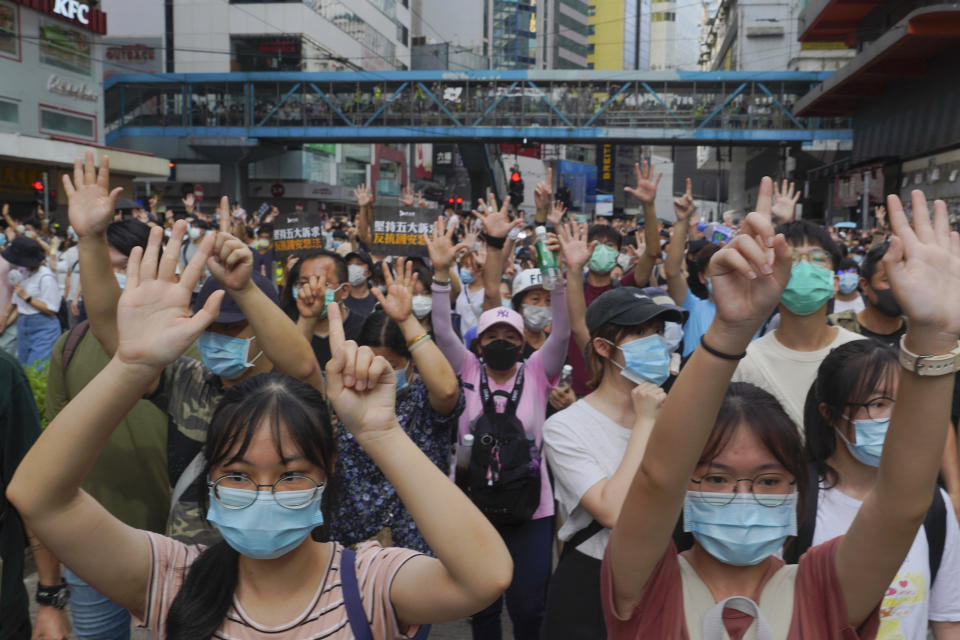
(583, 447)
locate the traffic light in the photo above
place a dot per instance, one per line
(515, 188)
(37, 191)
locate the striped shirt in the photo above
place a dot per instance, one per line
(325, 617)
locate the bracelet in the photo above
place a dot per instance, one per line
(419, 342)
(720, 354)
(496, 243)
(410, 343)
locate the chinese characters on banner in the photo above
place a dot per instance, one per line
(399, 231)
(297, 233)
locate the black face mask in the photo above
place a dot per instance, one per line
(886, 303)
(501, 355)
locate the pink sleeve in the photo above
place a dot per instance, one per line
(169, 562)
(819, 608)
(659, 613)
(376, 568)
(554, 350)
(443, 334)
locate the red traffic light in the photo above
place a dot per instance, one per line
(37, 185)
(515, 176)
(450, 200)
(459, 200)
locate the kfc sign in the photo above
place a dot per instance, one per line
(79, 13)
(72, 10)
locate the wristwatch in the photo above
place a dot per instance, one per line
(929, 365)
(55, 596)
(29, 300)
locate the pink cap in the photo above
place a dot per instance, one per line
(500, 315)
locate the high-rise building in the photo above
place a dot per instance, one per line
(674, 34)
(566, 35)
(511, 27)
(619, 34)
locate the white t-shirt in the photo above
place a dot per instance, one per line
(41, 285)
(470, 307)
(583, 447)
(909, 602)
(856, 305)
(786, 373)
(68, 267)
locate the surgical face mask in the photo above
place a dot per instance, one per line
(261, 243)
(886, 303)
(3, 239)
(225, 356)
(743, 532)
(501, 355)
(536, 318)
(329, 298)
(422, 306)
(645, 359)
(623, 260)
(466, 276)
(673, 335)
(809, 288)
(336, 243)
(870, 435)
(847, 282)
(856, 257)
(603, 260)
(21, 229)
(356, 274)
(121, 280)
(506, 302)
(401, 378)
(194, 232)
(16, 275)
(265, 529)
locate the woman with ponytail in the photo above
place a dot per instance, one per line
(269, 468)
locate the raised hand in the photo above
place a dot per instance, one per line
(360, 386)
(189, 203)
(364, 197)
(923, 265)
(91, 202)
(573, 243)
(154, 322)
(231, 261)
(312, 296)
(440, 246)
(421, 202)
(646, 189)
(647, 399)
(683, 207)
(881, 214)
(557, 211)
(543, 193)
(406, 199)
(785, 202)
(398, 302)
(496, 222)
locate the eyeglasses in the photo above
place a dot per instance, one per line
(292, 490)
(768, 489)
(817, 257)
(877, 408)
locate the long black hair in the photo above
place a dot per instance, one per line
(284, 404)
(379, 330)
(850, 373)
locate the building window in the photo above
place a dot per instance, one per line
(591, 30)
(64, 48)
(9, 111)
(9, 30)
(403, 34)
(67, 123)
(266, 53)
(663, 16)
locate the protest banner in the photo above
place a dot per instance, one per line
(398, 231)
(297, 233)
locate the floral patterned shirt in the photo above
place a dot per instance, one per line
(367, 502)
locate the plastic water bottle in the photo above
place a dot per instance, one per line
(549, 272)
(463, 459)
(717, 232)
(565, 375)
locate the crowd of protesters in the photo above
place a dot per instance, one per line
(623, 429)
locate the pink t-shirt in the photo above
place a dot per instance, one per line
(325, 617)
(531, 410)
(819, 610)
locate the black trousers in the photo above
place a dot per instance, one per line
(574, 607)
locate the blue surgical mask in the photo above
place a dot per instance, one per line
(506, 302)
(402, 382)
(3, 239)
(121, 280)
(225, 356)
(466, 277)
(645, 360)
(328, 299)
(870, 435)
(265, 529)
(743, 532)
(847, 282)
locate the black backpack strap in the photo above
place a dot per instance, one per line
(486, 398)
(804, 538)
(935, 528)
(351, 596)
(73, 340)
(581, 536)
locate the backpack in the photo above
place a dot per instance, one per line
(503, 476)
(934, 526)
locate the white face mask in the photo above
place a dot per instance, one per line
(673, 334)
(422, 306)
(624, 261)
(195, 232)
(536, 318)
(15, 276)
(356, 274)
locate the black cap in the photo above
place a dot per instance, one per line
(24, 252)
(229, 310)
(628, 307)
(361, 254)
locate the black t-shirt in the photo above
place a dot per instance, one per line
(351, 329)
(362, 306)
(889, 339)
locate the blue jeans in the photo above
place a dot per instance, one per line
(530, 547)
(36, 335)
(94, 616)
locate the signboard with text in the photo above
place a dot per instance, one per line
(400, 231)
(297, 233)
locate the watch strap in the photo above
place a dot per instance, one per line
(939, 365)
(52, 595)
